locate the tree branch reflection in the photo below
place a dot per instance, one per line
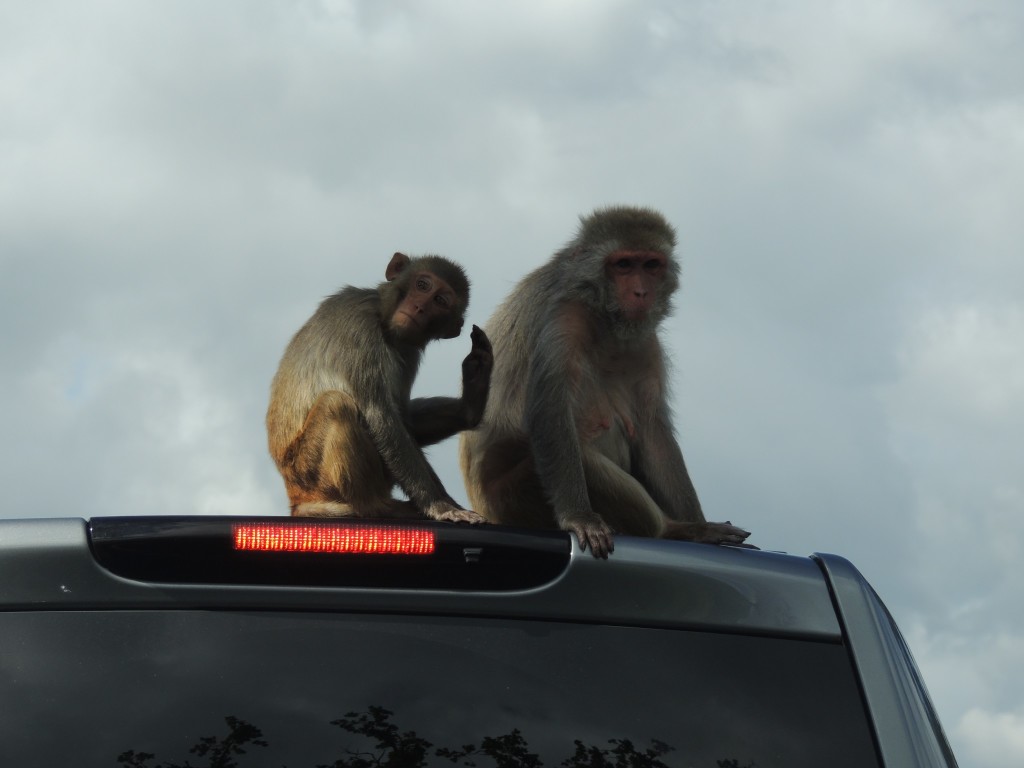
(390, 747)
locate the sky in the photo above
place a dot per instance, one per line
(182, 182)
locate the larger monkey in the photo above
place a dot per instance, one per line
(578, 432)
(341, 426)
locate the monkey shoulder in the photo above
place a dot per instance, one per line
(576, 324)
(352, 317)
(351, 303)
(342, 343)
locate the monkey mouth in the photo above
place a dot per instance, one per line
(636, 313)
(410, 319)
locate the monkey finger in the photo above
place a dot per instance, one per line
(602, 547)
(736, 540)
(479, 338)
(461, 516)
(598, 538)
(481, 345)
(729, 531)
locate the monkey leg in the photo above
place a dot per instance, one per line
(620, 499)
(628, 508)
(333, 469)
(507, 489)
(509, 492)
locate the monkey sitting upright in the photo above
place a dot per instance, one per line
(341, 426)
(578, 432)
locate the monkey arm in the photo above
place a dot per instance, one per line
(550, 418)
(376, 380)
(409, 468)
(432, 419)
(550, 421)
(402, 456)
(658, 464)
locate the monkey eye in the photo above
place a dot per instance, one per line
(444, 300)
(622, 265)
(653, 265)
(423, 284)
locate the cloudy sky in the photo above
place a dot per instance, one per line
(181, 182)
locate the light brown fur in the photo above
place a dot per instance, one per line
(341, 426)
(578, 431)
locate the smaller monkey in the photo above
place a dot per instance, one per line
(341, 426)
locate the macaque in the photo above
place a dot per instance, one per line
(578, 432)
(341, 426)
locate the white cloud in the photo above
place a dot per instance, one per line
(956, 416)
(993, 739)
(972, 674)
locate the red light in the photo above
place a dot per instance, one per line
(341, 539)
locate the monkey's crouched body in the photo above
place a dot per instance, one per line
(341, 426)
(578, 432)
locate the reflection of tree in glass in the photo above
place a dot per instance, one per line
(621, 755)
(508, 751)
(240, 733)
(394, 749)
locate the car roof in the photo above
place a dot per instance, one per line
(55, 564)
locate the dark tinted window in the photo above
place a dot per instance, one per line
(182, 688)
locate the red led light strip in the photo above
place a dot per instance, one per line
(341, 539)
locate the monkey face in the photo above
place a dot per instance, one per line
(429, 309)
(636, 277)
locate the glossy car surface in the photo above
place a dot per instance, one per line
(167, 642)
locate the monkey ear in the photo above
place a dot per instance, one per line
(398, 263)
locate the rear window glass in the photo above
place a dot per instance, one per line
(170, 689)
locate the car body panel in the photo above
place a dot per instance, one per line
(54, 565)
(48, 564)
(906, 724)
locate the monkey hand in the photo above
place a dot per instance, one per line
(476, 377)
(591, 531)
(449, 512)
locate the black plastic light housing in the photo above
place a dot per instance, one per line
(329, 553)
